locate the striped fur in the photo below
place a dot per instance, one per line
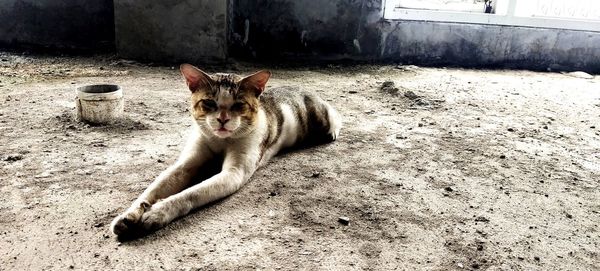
(235, 119)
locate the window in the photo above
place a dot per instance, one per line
(560, 14)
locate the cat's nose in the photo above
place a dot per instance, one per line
(223, 117)
(222, 121)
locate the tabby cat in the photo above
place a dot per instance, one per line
(237, 120)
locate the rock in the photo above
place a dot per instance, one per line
(407, 67)
(411, 95)
(389, 87)
(579, 74)
(344, 220)
(482, 219)
(43, 175)
(315, 175)
(352, 91)
(13, 157)
(98, 225)
(449, 189)
(502, 156)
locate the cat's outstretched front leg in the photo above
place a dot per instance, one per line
(171, 181)
(237, 169)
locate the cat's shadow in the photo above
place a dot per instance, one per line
(209, 169)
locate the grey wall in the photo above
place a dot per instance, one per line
(171, 30)
(69, 24)
(354, 29)
(197, 31)
(328, 29)
(492, 46)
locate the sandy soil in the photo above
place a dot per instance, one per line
(444, 169)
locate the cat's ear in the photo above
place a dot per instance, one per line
(255, 82)
(195, 78)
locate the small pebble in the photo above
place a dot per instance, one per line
(13, 157)
(344, 220)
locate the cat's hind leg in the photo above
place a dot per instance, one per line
(334, 120)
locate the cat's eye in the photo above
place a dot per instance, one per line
(209, 105)
(239, 106)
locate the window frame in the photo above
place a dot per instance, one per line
(509, 19)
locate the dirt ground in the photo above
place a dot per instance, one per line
(443, 169)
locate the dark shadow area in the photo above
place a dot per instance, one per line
(211, 168)
(50, 26)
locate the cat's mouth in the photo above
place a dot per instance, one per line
(222, 132)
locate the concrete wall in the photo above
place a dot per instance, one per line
(490, 46)
(171, 30)
(328, 29)
(354, 29)
(69, 24)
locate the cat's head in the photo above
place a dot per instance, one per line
(225, 105)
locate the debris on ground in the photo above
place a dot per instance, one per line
(344, 220)
(579, 74)
(407, 67)
(389, 87)
(13, 157)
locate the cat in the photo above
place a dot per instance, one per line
(236, 118)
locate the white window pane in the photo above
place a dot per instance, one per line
(566, 9)
(447, 5)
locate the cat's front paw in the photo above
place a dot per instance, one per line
(129, 220)
(156, 218)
